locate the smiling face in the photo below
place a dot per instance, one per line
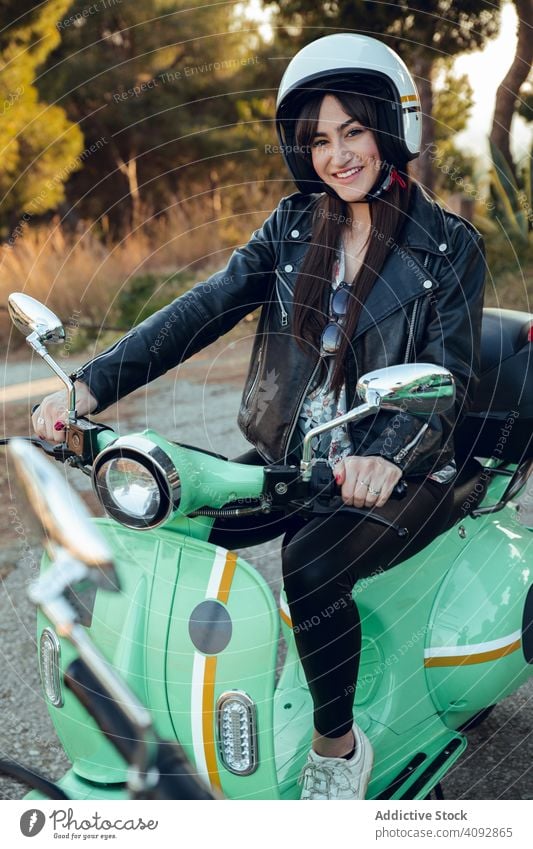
(344, 152)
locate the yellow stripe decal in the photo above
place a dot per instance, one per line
(285, 618)
(224, 577)
(408, 97)
(227, 577)
(208, 720)
(466, 659)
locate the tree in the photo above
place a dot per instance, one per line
(160, 83)
(39, 147)
(452, 103)
(423, 33)
(509, 88)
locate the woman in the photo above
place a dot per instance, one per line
(356, 271)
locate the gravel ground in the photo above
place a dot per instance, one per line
(204, 393)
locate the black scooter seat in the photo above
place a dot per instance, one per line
(469, 490)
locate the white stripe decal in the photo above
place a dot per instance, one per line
(197, 691)
(198, 673)
(474, 648)
(215, 577)
(284, 607)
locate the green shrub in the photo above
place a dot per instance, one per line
(147, 293)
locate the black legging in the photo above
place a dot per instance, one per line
(322, 559)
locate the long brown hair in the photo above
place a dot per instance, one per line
(331, 219)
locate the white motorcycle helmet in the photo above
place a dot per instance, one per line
(356, 63)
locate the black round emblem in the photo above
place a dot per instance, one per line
(210, 627)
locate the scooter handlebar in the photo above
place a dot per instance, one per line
(323, 483)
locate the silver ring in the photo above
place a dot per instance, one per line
(374, 491)
(363, 483)
(40, 420)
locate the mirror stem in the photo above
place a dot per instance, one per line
(372, 406)
(35, 343)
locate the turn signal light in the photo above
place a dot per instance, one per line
(49, 653)
(237, 732)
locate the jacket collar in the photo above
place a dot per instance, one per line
(405, 276)
(425, 228)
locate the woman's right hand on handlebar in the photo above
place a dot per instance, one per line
(54, 408)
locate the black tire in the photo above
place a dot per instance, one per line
(476, 720)
(435, 792)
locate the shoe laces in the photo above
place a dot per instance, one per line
(322, 778)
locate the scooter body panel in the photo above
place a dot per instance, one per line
(396, 701)
(77, 788)
(191, 622)
(474, 655)
(223, 637)
(130, 628)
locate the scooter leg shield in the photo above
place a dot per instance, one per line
(194, 632)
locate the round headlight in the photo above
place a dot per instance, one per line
(132, 487)
(136, 482)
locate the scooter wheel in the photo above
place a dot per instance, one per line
(435, 792)
(476, 720)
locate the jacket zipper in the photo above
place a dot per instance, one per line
(412, 323)
(407, 448)
(284, 313)
(256, 378)
(410, 337)
(295, 419)
(103, 354)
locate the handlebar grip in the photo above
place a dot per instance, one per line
(324, 483)
(400, 490)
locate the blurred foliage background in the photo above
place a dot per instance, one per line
(135, 139)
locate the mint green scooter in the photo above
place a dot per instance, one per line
(194, 630)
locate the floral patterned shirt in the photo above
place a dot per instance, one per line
(319, 407)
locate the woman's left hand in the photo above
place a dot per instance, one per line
(366, 481)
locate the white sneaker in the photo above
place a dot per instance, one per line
(338, 778)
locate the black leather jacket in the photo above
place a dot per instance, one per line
(425, 305)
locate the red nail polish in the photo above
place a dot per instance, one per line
(59, 426)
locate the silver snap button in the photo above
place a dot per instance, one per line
(427, 284)
(288, 268)
(443, 246)
(295, 234)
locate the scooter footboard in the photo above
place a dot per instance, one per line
(220, 668)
